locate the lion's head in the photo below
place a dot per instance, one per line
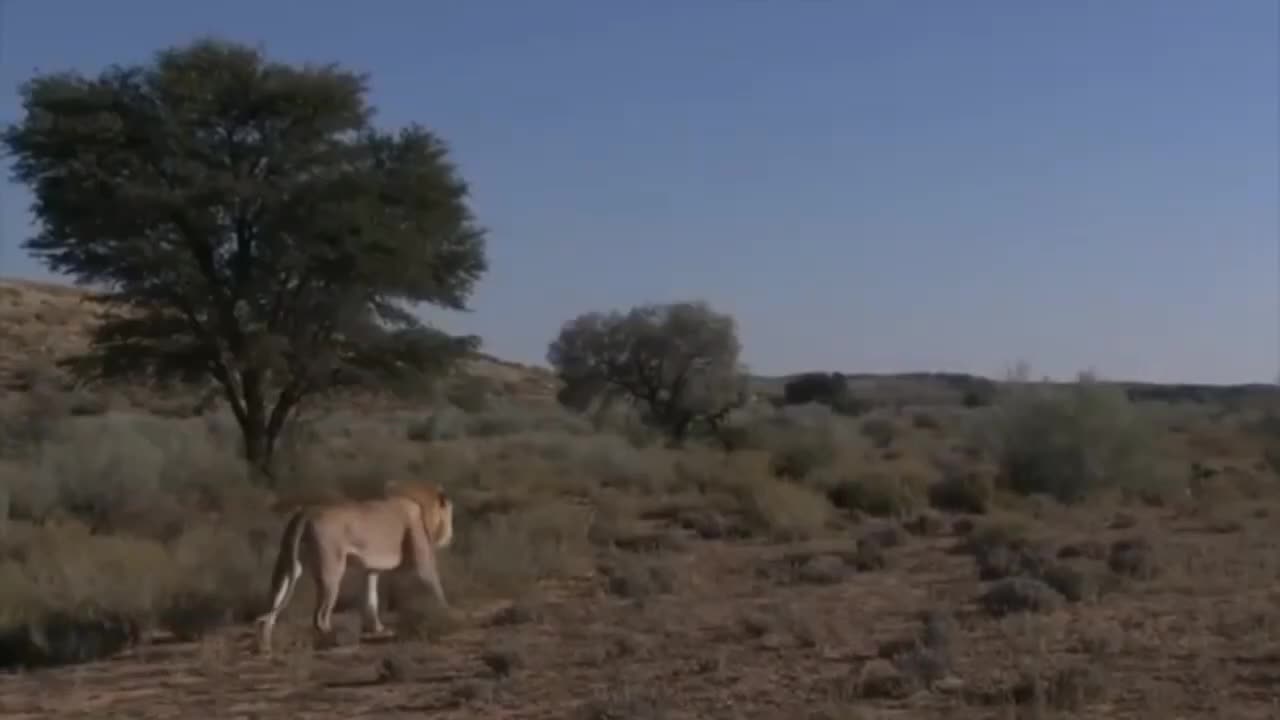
(437, 510)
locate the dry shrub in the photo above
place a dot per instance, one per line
(495, 419)
(630, 577)
(808, 568)
(1069, 689)
(707, 522)
(356, 461)
(62, 567)
(1087, 549)
(991, 541)
(869, 556)
(926, 524)
(38, 405)
(878, 494)
(997, 532)
(68, 596)
(219, 579)
(822, 570)
(1007, 550)
(614, 525)
(502, 661)
(1134, 558)
(555, 465)
(127, 472)
(1018, 595)
(617, 464)
(879, 679)
(925, 421)
(782, 510)
(969, 492)
(881, 432)
(60, 638)
(802, 455)
(997, 560)
(925, 658)
(419, 617)
(520, 612)
(627, 701)
(106, 537)
(1075, 583)
(885, 536)
(503, 554)
(58, 575)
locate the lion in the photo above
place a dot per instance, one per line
(413, 520)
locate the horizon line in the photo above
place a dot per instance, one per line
(71, 285)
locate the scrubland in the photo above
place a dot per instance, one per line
(1059, 552)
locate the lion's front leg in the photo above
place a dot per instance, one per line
(424, 564)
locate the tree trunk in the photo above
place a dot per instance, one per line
(257, 446)
(679, 430)
(286, 403)
(260, 425)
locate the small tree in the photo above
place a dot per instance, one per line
(245, 221)
(678, 361)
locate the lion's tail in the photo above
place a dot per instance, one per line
(290, 541)
(286, 559)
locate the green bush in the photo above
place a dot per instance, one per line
(1070, 441)
(126, 472)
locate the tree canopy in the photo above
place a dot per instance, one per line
(249, 223)
(678, 361)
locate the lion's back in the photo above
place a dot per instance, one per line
(364, 525)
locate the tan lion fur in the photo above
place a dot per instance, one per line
(406, 526)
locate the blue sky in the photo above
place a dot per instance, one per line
(867, 185)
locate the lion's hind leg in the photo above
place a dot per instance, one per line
(283, 586)
(330, 568)
(372, 622)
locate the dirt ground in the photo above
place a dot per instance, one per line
(743, 629)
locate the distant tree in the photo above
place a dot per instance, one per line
(830, 389)
(678, 362)
(814, 387)
(249, 223)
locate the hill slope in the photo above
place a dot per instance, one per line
(41, 322)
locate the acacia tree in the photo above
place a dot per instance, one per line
(678, 361)
(245, 221)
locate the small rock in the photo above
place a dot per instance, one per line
(950, 685)
(1090, 549)
(868, 557)
(925, 524)
(1020, 594)
(880, 679)
(823, 570)
(1133, 558)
